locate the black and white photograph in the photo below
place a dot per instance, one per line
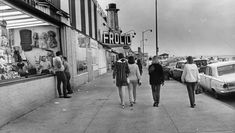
(117, 66)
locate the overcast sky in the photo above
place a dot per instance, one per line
(185, 27)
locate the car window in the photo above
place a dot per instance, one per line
(180, 65)
(228, 69)
(208, 71)
(200, 63)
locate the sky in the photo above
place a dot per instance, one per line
(185, 27)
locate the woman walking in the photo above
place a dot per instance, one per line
(140, 66)
(120, 74)
(191, 77)
(134, 78)
(156, 79)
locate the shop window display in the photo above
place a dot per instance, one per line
(27, 52)
(95, 52)
(82, 53)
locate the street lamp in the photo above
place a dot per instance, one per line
(150, 30)
(157, 49)
(130, 31)
(142, 41)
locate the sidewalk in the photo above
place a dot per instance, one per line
(95, 108)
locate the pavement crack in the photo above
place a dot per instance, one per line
(98, 110)
(171, 119)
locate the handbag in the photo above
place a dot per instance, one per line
(139, 82)
(128, 80)
(198, 89)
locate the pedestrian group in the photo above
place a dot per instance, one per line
(127, 73)
(61, 71)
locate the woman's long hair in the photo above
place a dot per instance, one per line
(131, 60)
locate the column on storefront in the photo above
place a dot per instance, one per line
(103, 67)
(77, 52)
(95, 57)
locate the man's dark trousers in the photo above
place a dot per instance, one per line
(156, 93)
(61, 78)
(191, 87)
(68, 76)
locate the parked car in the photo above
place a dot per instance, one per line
(201, 64)
(178, 70)
(166, 72)
(219, 78)
(168, 69)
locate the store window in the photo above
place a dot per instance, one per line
(81, 52)
(94, 51)
(26, 52)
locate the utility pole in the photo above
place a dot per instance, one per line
(143, 41)
(156, 28)
(150, 30)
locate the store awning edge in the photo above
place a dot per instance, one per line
(33, 11)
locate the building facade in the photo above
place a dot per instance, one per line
(34, 29)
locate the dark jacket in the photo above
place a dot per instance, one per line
(156, 75)
(120, 72)
(140, 67)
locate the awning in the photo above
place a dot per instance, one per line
(16, 18)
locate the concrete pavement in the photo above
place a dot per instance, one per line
(95, 108)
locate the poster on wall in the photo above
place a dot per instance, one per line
(33, 43)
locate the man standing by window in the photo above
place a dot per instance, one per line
(59, 72)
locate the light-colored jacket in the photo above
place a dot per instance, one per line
(134, 72)
(57, 60)
(190, 73)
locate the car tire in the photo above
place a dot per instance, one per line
(215, 94)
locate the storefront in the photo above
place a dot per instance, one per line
(88, 58)
(27, 46)
(95, 57)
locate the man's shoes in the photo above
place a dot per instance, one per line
(60, 96)
(131, 105)
(192, 106)
(67, 96)
(70, 92)
(155, 104)
(123, 106)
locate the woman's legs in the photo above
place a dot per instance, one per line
(134, 90)
(130, 92)
(121, 91)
